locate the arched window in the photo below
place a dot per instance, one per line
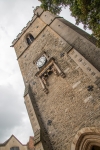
(14, 148)
(29, 39)
(87, 138)
(95, 148)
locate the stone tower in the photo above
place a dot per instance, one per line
(60, 65)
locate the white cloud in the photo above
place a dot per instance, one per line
(14, 119)
(14, 15)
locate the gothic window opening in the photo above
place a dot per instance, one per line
(87, 138)
(29, 39)
(95, 148)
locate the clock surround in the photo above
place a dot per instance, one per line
(44, 73)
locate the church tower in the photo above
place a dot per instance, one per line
(60, 65)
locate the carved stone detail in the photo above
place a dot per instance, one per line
(46, 71)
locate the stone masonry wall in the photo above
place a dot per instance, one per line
(69, 106)
(34, 29)
(45, 42)
(31, 113)
(80, 40)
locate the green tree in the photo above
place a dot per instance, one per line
(84, 11)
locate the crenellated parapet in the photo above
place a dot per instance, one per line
(37, 12)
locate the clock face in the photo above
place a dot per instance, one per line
(41, 61)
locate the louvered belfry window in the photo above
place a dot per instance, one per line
(29, 39)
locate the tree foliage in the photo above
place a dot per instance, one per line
(84, 11)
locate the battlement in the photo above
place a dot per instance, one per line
(37, 12)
